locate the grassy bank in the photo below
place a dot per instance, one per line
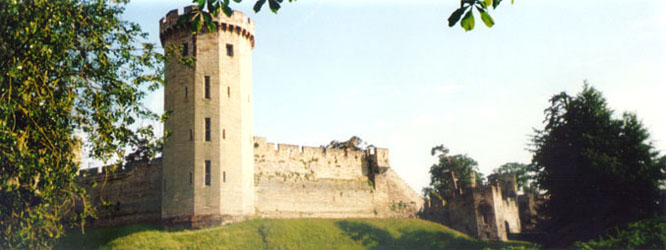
(301, 234)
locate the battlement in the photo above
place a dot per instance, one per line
(238, 23)
(296, 151)
(114, 170)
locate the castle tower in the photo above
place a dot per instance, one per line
(208, 172)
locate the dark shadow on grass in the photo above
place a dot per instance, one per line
(97, 237)
(377, 238)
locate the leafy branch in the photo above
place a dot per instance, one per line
(207, 9)
(466, 13)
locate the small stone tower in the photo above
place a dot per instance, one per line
(208, 172)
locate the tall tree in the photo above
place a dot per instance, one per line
(597, 171)
(68, 66)
(452, 173)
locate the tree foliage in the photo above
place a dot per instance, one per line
(354, 143)
(597, 171)
(207, 9)
(465, 14)
(643, 234)
(68, 67)
(451, 173)
(524, 178)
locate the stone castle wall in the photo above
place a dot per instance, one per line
(290, 182)
(488, 212)
(127, 195)
(295, 181)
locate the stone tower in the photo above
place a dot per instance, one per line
(208, 172)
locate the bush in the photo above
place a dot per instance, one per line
(644, 234)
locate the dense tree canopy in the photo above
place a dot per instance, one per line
(597, 171)
(68, 67)
(452, 173)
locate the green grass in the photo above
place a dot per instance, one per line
(308, 234)
(95, 238)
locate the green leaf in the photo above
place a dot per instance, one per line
(496, 3)
(185, 19)
(227, 11)
(485, 17)
(455, 16)
(213, 7)
(258, 5)
(196, 24)
(487, 2)
(467, 22)
(275, 5)
(201, 4)
(210, 25)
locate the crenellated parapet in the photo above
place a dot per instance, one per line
(111, 171)
(297, 151)
(327, 158)
(238, 23)
(308, 162)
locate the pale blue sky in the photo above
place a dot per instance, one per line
(393, 72)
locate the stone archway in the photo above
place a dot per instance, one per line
(485, 211)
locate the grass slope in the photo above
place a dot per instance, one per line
(95, 238)
(309, 234)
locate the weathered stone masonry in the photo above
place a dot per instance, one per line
(289, 182)
(294, 181)
(488, 212)
(127, 195)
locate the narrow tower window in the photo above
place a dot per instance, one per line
(229, 92)
(207, 170)
(230, 49)
(186, 93)
(207, 87)
(224, 134)
(224, 176)
(191, 136)
(207, 128)
(184, 52)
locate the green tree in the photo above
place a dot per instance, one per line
(68, 67)
(523, 176)
(452, 173)
(597, 171)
